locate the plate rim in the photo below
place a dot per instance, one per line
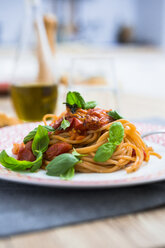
(83, 186)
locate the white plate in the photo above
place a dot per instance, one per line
(153, 171)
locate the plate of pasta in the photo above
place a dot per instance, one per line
(85, 147)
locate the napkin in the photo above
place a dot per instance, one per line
(25, 208)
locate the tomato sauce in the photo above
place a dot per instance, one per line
(84, 120)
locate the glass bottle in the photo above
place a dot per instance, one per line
(34, 90)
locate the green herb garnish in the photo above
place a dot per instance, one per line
(104, 152)
(64, 124)
(116, 135)
(39, 146)
(69, 174)
(75, 98)
(90, 105)
(40, 141)
(31, 135)
(74, 101)
(17, 165)
(77, 154)
(60, 165)
(115, 115)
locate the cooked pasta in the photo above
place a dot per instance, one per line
(129, 155)
(84, 139)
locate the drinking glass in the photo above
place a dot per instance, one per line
(94, 78)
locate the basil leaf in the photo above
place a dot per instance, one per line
(17, 165)
(76, 154)
(74, 101)
(69, 174)
(64, 124)
(36, 166)
(116, 133)
(104, 152)
(31, 135)
(71, 98)
(61, 164)
(90, 105)
(75, 98)
(115, 115)
(41, 140)
(49, 128)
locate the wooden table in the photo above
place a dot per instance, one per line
(145, 229)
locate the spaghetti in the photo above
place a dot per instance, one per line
(130, 154)
(85, 139)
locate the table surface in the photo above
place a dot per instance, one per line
(145, 229)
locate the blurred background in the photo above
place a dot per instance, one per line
(130, 33)
(99, 22)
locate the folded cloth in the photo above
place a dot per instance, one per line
(26, 208)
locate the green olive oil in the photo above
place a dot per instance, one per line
(33, 101)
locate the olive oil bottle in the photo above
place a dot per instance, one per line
(34, 90)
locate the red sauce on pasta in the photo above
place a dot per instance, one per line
(84, 120)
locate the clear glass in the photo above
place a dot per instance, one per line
(94, 78)
(33, 90)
